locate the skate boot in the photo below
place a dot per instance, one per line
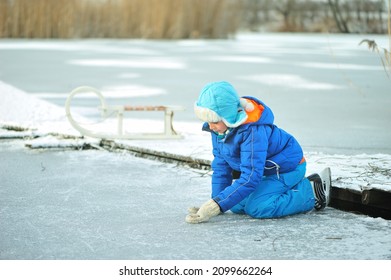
(321, 186)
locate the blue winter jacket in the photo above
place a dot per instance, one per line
(254, 149)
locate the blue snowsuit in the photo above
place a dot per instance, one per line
(270, 162)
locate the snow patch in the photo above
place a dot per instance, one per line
(50, 141)
(344, 66)
(129, 75)
(290, 81)
(155, 63)
(246, 59)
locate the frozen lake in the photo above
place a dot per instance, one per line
(332, 94)
(325, 89)
(101, 205)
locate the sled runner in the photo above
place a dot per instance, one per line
(101, 114)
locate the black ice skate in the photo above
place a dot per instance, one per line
(321, 185)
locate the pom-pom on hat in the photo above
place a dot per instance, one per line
(219, 101)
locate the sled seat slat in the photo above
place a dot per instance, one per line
(145, 108)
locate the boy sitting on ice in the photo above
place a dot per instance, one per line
(258, 168)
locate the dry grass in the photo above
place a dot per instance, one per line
(157, 19)
(384, 54)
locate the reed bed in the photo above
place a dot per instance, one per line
(151, 19)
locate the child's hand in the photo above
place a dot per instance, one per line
(207, 210)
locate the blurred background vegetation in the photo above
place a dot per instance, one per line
(182, 19)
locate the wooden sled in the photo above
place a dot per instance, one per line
(106, 111)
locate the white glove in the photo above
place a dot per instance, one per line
(207, 210)
(193, 210)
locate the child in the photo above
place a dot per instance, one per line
(258, 168)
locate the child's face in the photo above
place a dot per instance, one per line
(218, 127)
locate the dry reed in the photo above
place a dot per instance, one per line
(157, 19)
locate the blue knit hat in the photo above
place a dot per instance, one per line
(219, 101)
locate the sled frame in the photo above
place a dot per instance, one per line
(107, 110)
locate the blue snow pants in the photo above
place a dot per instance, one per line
(279, 195)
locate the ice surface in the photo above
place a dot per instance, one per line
(102, 205)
